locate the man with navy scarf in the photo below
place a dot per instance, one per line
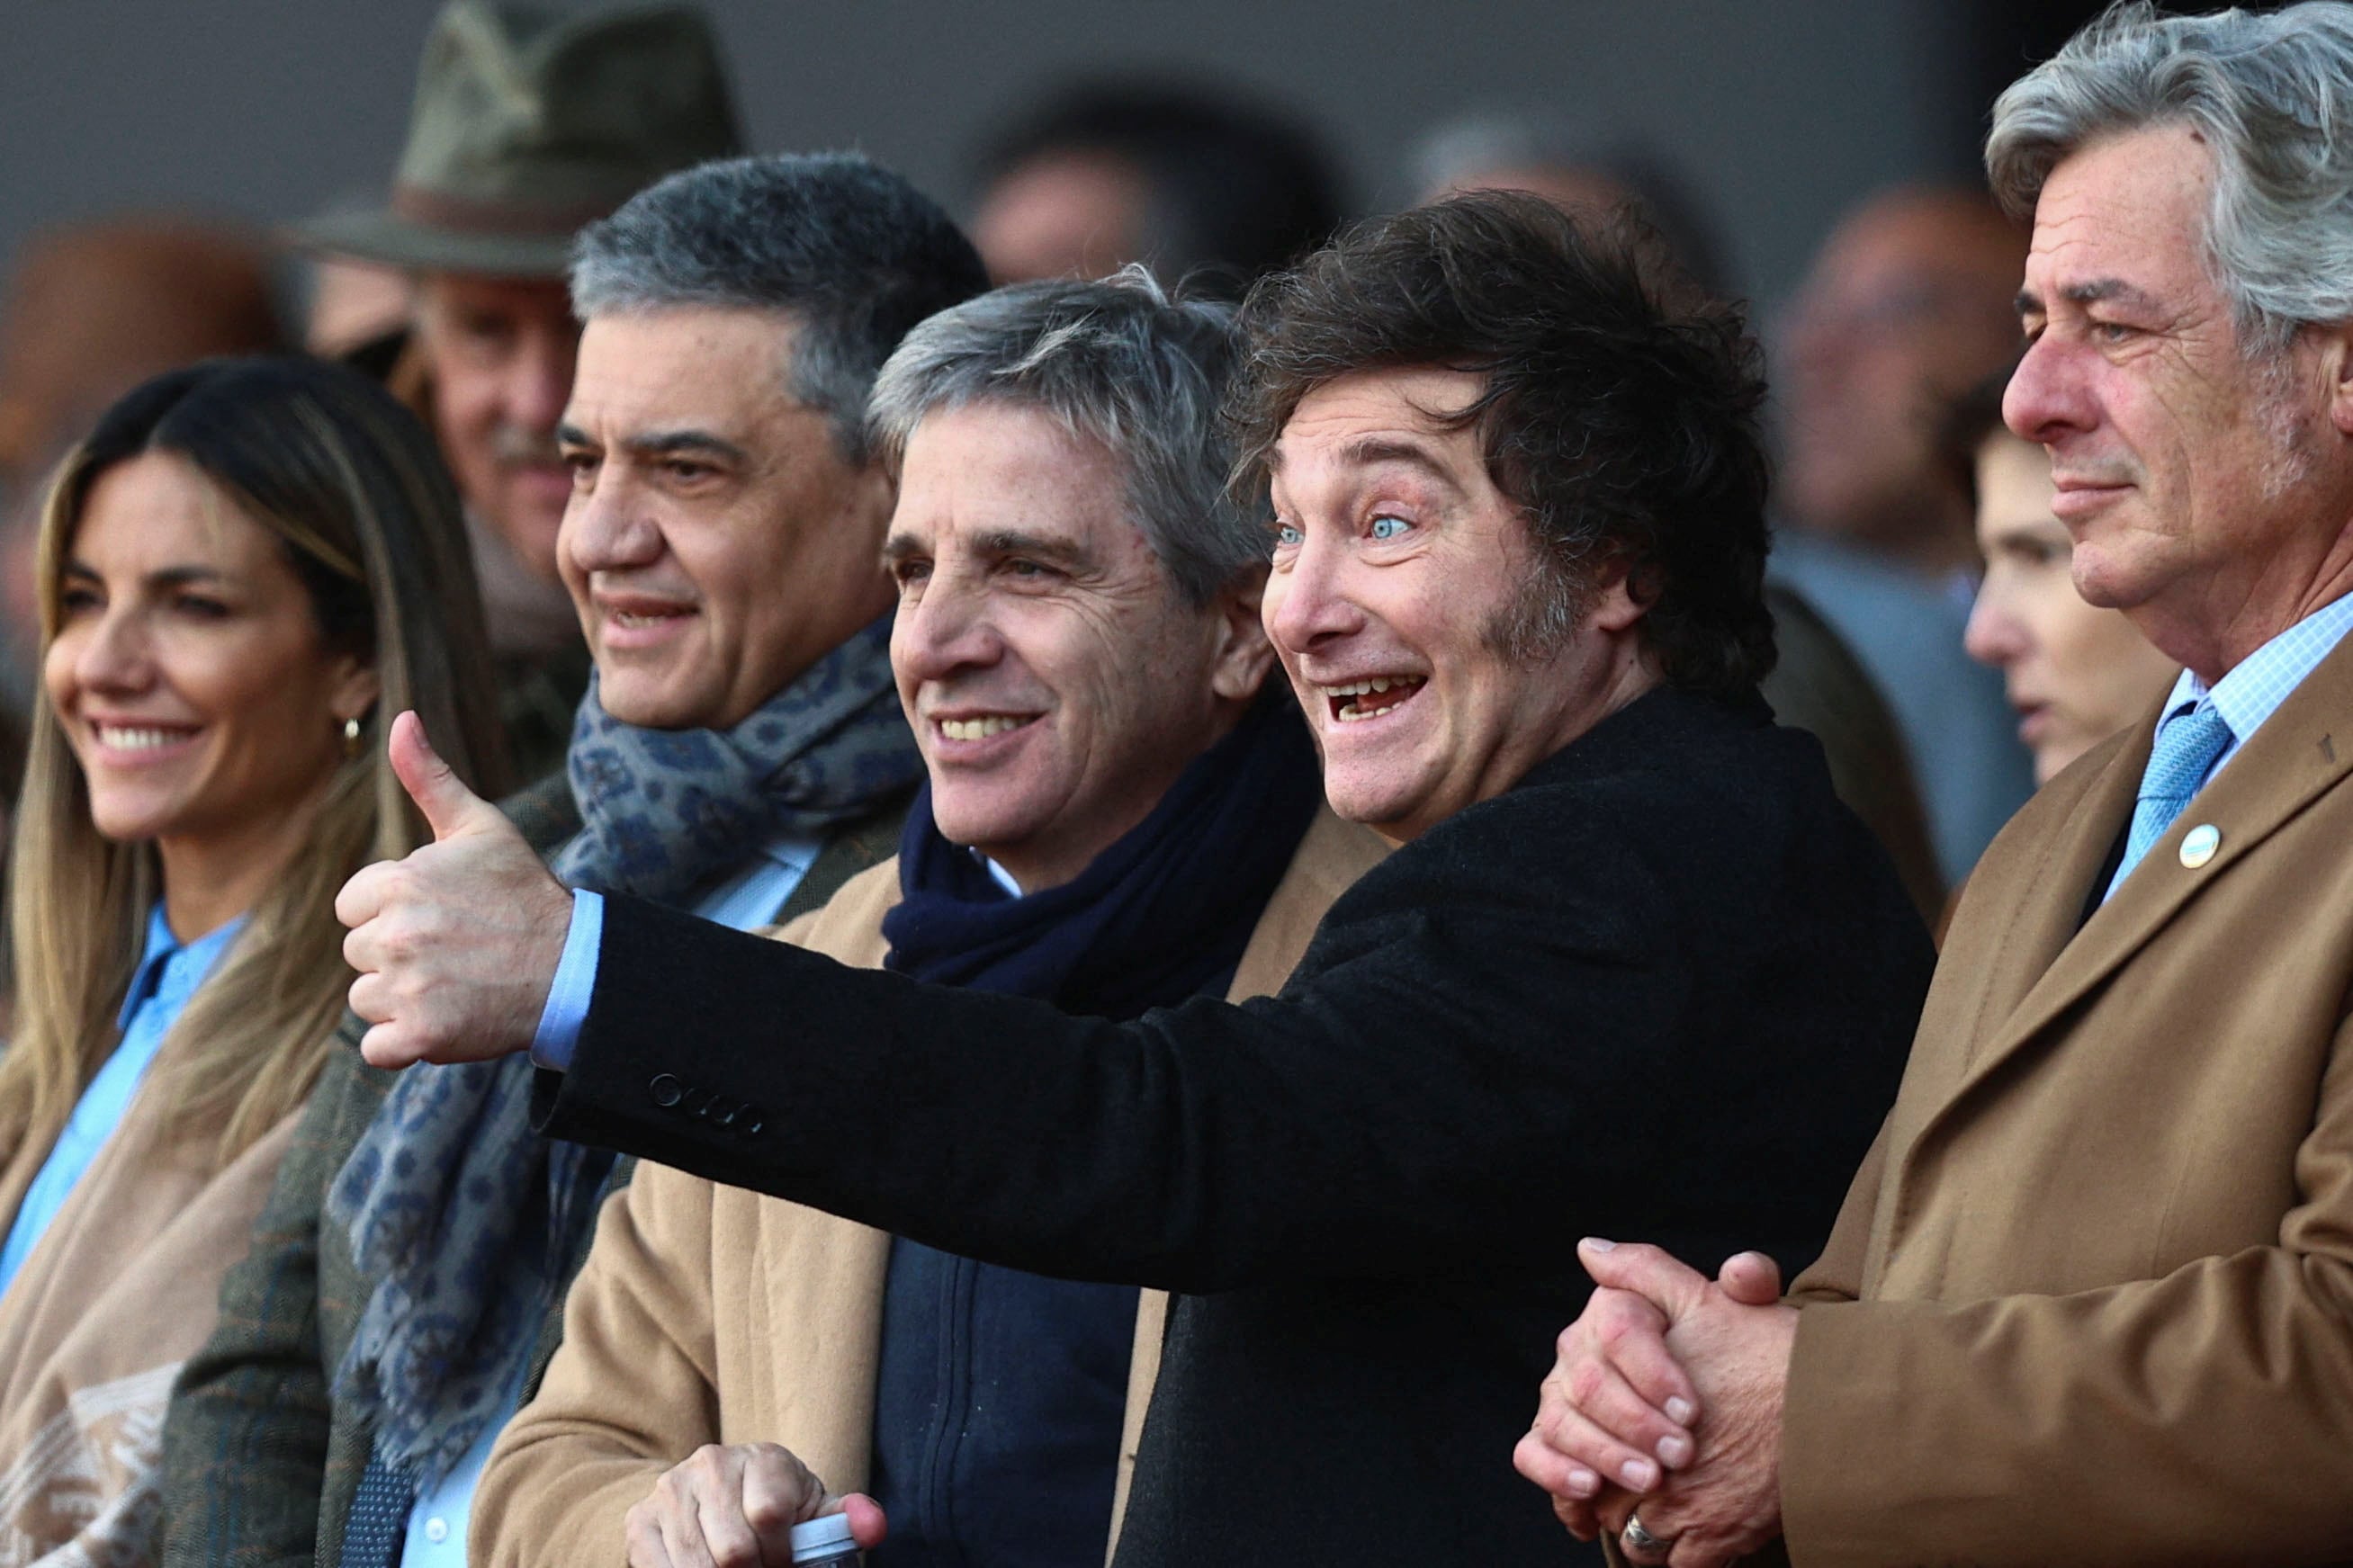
(1119, 816)
(740, 753)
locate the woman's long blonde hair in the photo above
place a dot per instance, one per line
(351, 485)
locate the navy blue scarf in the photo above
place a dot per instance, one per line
(1162, 915)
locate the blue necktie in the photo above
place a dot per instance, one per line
(2187, 745)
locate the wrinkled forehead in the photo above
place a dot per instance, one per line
(640, 373)
(2127, 212)
(974, 472)
(1406, 421)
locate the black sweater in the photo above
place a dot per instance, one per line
(1660, 990)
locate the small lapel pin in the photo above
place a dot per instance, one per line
(2198, 845)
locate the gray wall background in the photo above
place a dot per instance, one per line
(1783, 112)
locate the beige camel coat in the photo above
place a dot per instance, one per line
(709, 1314)
(2091, 1299)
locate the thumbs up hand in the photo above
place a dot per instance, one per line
(457, 946)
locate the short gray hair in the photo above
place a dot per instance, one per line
(851, 251)
(2271, 94)
(1120, 362)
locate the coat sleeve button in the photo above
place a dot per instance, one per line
(666, 1090)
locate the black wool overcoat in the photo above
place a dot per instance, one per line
(1660, 990)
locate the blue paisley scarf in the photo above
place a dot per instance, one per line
(467, 1223)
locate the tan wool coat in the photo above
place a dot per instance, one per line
(709, 1314)
(2091, 1299)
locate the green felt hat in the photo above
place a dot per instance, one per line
(529, 124)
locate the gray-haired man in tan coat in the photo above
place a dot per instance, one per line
(1118, 815)
(2091, 1299)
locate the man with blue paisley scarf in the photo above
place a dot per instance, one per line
(740, 754)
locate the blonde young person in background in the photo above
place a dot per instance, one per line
(245, 570)
(2077, 674)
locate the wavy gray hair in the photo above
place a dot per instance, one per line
(1120, 362)
(2271, 94)
(851, 251)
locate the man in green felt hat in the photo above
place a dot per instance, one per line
(527, 125)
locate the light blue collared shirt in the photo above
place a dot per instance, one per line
(998, 874)
(743, 901)
(169, 973)
(2252, 691)
(437, 1522)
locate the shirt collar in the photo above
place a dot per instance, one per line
(996, 873)
(166, 955)
(2256, 686)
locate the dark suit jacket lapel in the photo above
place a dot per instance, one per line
(2295, 757)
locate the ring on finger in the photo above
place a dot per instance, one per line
(1640, 1539)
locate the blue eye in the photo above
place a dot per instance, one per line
(1388, 527)
(1288, 533)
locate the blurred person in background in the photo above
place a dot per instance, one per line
(1180, 848)
(245, 570)
(1908, 306)
(355, 311)
(740, 752)
(1817, 684)
(1202, 187)
(2077, 673)
(356, 306)
(1573, 166)
(527, 124)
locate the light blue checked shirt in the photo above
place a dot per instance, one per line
(2253, 692)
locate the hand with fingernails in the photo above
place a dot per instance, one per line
(735, 1507)
(1660, 1421)
(456, 945)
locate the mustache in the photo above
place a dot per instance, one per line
(2098, 471)
(514, 445)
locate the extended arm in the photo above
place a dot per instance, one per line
(1455, 1054)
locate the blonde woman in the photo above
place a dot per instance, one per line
(245, 570)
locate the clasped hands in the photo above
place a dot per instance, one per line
(456, 945)
(1666, 1402)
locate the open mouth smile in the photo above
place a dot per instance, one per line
(135, 741)
(1373, 698)
(981, 726)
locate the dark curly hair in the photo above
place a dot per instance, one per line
(1620, 411)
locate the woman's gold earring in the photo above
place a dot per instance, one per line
(351, 736)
